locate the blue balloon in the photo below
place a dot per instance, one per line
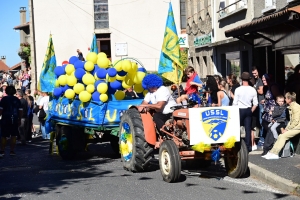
(112, 72)
(79, 73)
(96, 67)
(57, 92)
(95, 96)
(73, 59)
(101, 73)
(110, 89)
(122, 73)
(97, 82)
(79, 64)
(64, 88)
(117, 85)
(59, 71)
(142, 69)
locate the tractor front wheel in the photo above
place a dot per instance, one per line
(169, 161)
(236, 160)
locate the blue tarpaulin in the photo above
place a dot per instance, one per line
(91, 114)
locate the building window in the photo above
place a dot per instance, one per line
(182, 14)
(101, 14)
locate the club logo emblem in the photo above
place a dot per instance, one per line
(214, 122)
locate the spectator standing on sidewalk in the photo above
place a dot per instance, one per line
(246, 99)
(24, 120)
(11, 111)
(233, 84)
(30, 102)
(259, 87)
(43, 105)
(291, 130)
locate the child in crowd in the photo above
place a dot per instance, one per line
(291, 130)
(278, 114)
(192, 84)
(278, 119)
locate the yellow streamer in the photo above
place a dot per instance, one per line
(201, 147)
(230, 142)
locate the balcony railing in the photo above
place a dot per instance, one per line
(232, 8)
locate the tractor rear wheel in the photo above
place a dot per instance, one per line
(63, 141)
(136, 153)
(236, 160)
(169, 161)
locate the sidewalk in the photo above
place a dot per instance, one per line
(283, 173)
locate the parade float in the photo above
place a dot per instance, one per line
(89, 99)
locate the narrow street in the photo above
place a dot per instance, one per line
(98, 174)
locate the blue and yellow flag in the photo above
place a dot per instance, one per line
(47, 76)
(94, 47)
(170, 53)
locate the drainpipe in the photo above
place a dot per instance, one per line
(34, 44)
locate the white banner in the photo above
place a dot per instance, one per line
(212, 125)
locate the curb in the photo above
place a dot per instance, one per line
(281, 183)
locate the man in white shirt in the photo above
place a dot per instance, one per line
(245, 97)
(158, 99)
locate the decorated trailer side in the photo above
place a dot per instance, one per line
(76, 123)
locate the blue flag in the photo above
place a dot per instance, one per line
(94, 47)
(47, 76)
(170, 65)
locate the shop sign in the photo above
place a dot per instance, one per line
(183, 40)
(202, 40)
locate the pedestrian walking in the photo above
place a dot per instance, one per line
(11, 111)
(246, 99)
(43, 106)
(24, 118)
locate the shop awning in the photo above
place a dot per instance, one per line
(274, 19)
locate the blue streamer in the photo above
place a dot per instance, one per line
(215, 156)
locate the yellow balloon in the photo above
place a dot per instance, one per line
(139, 77)
(110, 79)
(56, 83)
(85, 96)
(102, 54)
(103, 97)
(128, 80)
(134, 67)
(102, 62)
(131, 74)
(102, 88)
(126, 65)
(78, 87)
(125, 85)
(90, 88)
(118, 65)
(145, 92)
(69, 69)
(69, 93)
(89, 66)
(92, 57)
(138, 88)
(71, 80)
(62, 80)
(88, 79)
(119, 95)
(120, 78)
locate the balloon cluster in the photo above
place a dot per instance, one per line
(97, 79)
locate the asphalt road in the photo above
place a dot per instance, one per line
(98, 174)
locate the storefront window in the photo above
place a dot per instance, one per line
(101, 16)
(290, 62)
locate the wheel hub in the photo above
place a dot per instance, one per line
(165, 158)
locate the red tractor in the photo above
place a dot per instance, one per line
(138, 137)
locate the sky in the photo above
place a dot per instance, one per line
(9, 38)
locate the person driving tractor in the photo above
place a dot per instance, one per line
(158, 99)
